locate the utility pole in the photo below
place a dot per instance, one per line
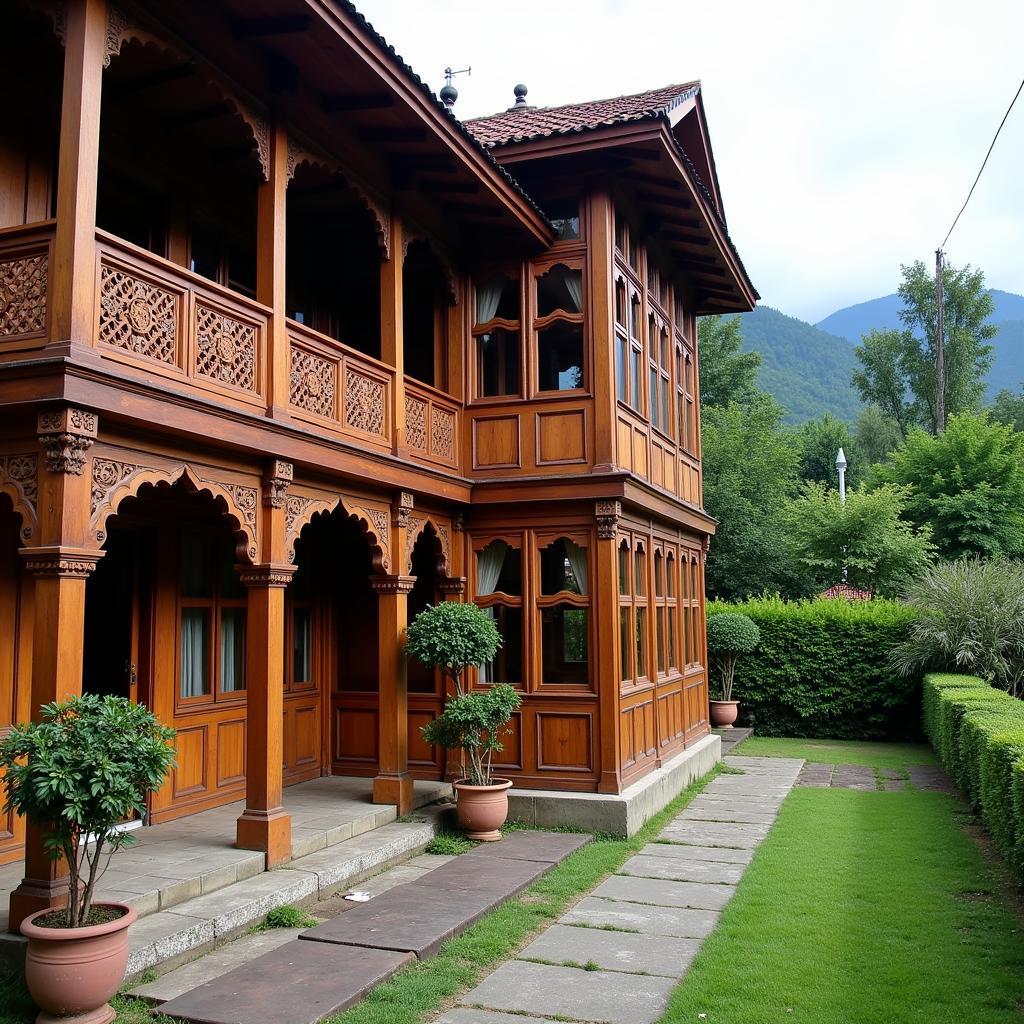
(940, 350)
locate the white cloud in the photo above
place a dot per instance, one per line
(846, 135)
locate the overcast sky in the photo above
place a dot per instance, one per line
(846, 134)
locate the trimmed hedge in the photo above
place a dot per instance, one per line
(977, 732)
(822, 669)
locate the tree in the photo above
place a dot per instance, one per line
(1008, 408)
(898, 366)
(749, 472)
(865, 537)
(726, 373)
(967, 484)
(730, 635)
(876, 435)
(819, 442)
(451, 637)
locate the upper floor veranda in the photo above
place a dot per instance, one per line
(261, 214)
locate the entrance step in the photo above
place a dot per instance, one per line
(169, 937)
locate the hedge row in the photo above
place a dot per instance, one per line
(977, 732)
(821, 669)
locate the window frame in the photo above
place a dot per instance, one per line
(476, 396)
(543, 539)
(538, 324)
(517, 541)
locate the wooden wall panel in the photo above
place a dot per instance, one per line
(230, 752)
(565, 741)
(191, 775)
(561, 438)
(422, 755)
(355, 738)
(496, 442)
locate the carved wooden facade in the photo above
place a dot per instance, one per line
(285, 357)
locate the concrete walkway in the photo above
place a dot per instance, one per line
(618, 953)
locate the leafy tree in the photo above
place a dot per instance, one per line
(749, 472)
(730, 635)
(898, 366)
(451, 637)
(819, 442)
(726, 373)
(966, 484)
(865, 537)
(876, 435)
(1008, 408)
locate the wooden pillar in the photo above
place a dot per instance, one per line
(391, 335)
(393, 784)
(264, 824)
(74, 245)
(601, 313)
(271, 270)
(606, 606)
(59, 565)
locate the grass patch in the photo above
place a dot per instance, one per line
(449, 844)
(421, 989)
(287, 916)
(877, 755)
(853, 910)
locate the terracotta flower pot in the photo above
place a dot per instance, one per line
(483, 809)
(724, 713)
(72, 972)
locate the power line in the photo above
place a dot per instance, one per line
(985, 161)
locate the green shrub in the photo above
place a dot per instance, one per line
(822, 669)
(978, 734)
(730, 635)
(288, 916)
(449, 844)
(451, 637)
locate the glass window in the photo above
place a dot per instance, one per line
(197, 564)
(497, 361)
(659, 575)
(497, 297)
(560, 357)
(624, 642)
(507, 664)
(302, 645)
(640, 565)
(564, 645)
(641, 642)
(655, 404)
(670, 575)
(560, 289)
(672, 661)
(660, 627)
(634, 378)
(620, 233)
(195, 653)
(565, 217)
(232, 649)
(621, 349)
(624, 568)
(563, 568)
(499, 570)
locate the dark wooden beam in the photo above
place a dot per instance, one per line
(657, 180)
(680, 202)
(460, 188)
(261, 28)
(282, 75)
(424, 163)
(646, 155)
(709, 272)
(154, 80)
(385, 133)
(356, 101)
(687, 239)
(210, 113)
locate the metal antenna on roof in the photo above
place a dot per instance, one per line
(449, 94)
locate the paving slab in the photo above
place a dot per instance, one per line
(320, 980)
(593, 912)
(575, 994)
(504, 878)
(683, 851)
(854, 776)
(709, 833)
(664, 892)
(213, 965)
(816, 775)
(471, 1015)
(722, 811)
(713, 871)
(546, 847)
(613, 951)
(930, 777)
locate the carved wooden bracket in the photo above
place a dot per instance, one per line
(459, 522)
(402, 508)
(278, 477)
(300, 511)
(55, 560)
(393, 584)
(19, 481)
(66, 435)
(608, 514)
(267, 574)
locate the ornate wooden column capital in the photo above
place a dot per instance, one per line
(401, 509)
(59, 560)
(276, 480)
(607, 514)
(393, 584)
(452, 585)
(66, 435)
(267, 574)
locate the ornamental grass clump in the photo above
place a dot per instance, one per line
(730, 636)
(84, 768)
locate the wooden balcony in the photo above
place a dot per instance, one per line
(431, 425)
(25, 262)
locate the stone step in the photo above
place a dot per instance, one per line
(170, 937)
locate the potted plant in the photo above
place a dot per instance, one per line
(83, 769)
(450, 637)
(730, 635)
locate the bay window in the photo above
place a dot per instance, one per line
(563, 605)
(497, 333)
(558, 324)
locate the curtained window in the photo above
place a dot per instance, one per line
(497, 331)
(559, 327)
(564, 611)
(498, 591)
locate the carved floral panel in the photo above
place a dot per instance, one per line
(415, 423)
(314, 382)
(226, 348)
(364, 402)
(442, 434)
(138, 316)
(23, 295)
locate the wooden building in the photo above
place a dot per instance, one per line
(287, 352)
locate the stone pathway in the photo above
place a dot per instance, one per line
(618, 953)
(864, 777)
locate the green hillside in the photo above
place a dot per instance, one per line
(806, 369)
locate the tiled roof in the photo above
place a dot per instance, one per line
(845, 591)
(517, 125)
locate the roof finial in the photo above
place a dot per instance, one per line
(449, 94)
(520, 94)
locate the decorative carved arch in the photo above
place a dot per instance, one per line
(447, 269)
(114, 481)
(300, 511)
(122, 29)
(442, 548)
(19, 481)
(299, 153)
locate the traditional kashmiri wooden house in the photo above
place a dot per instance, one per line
(288, 352)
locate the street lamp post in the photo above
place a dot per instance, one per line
(841, 465)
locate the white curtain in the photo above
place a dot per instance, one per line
(577, 562)
(232, 649)
(193, 652)
(488, 567)
(573, 281)
(488, 295)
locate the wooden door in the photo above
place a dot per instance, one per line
(305, 660)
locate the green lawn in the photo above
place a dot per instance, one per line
(879, 755)
(862, 908)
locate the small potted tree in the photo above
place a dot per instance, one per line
(83, 769)
(730, 635)
(450, 637)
